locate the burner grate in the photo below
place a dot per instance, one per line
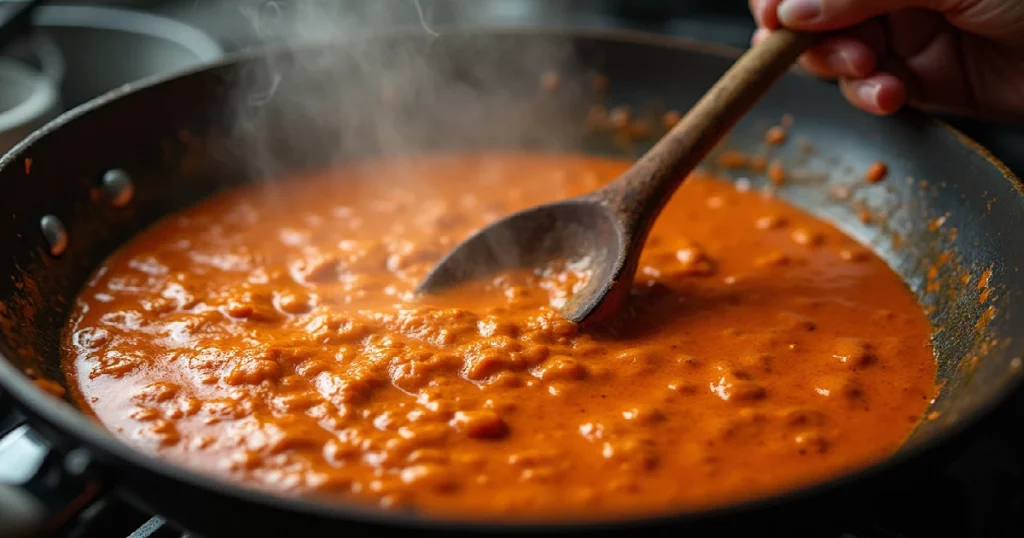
(156, 527)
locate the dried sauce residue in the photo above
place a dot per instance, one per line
(986, 291)
(775, 135)
(935, 224)
(732, 159)
(876, 172)
(985, 277)
(986, 317)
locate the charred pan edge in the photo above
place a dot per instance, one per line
(51, 411)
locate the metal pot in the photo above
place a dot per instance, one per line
(180, 139)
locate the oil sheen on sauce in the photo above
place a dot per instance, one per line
(270, 335)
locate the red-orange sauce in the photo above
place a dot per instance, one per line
(270, 335)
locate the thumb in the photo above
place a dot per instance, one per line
(823, 15)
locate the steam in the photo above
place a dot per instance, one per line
(333, 90)
(343, 93)
(423, 20)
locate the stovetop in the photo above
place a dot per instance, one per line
(979, 494)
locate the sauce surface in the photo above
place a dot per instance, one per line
(270, 335)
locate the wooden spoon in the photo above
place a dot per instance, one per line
(604, 231)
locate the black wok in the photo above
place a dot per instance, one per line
(178, 140)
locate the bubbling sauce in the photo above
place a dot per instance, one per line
(270, 335)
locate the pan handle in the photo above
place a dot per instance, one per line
(40, 488)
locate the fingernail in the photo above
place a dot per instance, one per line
(759, 35)
(756, 11)
(867, 92)
(842, 61)
(799, 11)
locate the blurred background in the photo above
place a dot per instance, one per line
(82, 48)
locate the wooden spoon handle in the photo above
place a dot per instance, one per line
(653, 179)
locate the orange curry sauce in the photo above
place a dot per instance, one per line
(270, 335)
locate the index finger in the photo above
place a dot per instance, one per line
(824, 15)
(765, 13)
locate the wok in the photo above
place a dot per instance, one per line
(946, 206)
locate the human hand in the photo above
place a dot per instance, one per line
(962, 57)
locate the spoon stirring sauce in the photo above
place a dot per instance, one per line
(605, 230)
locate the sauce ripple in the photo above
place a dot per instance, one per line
(270, 335)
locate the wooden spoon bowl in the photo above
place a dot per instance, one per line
(605, 231)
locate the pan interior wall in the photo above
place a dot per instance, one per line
(942, 218)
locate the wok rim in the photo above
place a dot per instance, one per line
(72, 422)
